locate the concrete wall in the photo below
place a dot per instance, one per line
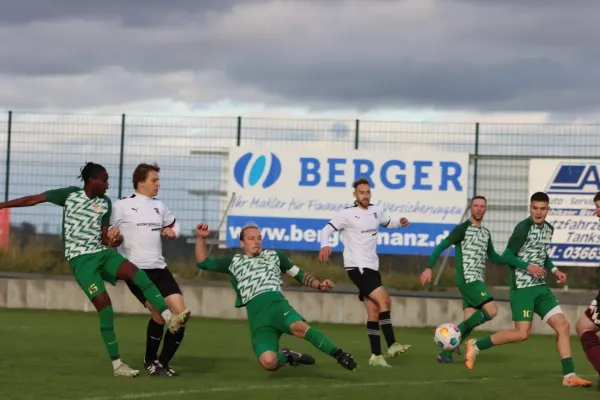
(218, 302)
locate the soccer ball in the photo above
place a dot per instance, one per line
(447, 336)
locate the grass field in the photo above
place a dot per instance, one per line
(59, 355)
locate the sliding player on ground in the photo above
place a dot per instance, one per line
(143, 220)
(473, 242)
(256, 278)
(527, 256)
(87, 238)
(360, 224)
(588, 325)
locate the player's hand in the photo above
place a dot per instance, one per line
(113, 233)
(168, 233)
(202, 231)
(326, 285)
(536, 271)
(404, 222)
(426, 276)
(561, 277)
(324, 253)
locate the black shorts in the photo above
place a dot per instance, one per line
(162, 278)
(366, 282)
(592, 311)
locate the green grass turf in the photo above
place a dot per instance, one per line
(59, 355)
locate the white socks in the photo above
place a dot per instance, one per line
(167, 314)
(117, 363)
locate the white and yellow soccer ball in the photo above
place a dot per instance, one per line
(447, 336)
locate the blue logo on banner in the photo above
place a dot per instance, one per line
(259, 174)
(574, 179)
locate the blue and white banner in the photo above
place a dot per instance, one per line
(292, 194)
(571, 186)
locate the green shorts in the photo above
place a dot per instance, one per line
(533, 300)
(267, 325)
(474, 294)
(91, 270)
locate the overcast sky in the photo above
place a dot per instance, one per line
(536, 59)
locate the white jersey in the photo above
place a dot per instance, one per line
(141, 220)
(360, 227)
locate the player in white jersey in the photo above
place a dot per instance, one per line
(360, 224)
(143, 220)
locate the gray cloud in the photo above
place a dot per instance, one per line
(444, 54)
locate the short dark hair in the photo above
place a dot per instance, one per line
(90, 170)
(478, 198)
(361, 181)
(245, 228)
(140, 173)
(597, 197)
(540, 196)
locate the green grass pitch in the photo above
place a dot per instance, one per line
(59, 355)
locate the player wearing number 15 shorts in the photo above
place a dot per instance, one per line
(527, 256)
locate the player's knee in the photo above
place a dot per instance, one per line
(583, 325)
(492, 310)
(563, 327)
(299, 329)
(101, 301)
(127, 271)
(268, 361)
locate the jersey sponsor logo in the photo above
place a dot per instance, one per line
(257, 169)
(156, 209)
(575, 179)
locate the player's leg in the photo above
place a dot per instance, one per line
(588, 326)
(173, 296)
(85, 269)
(445, 356)
(293, 323)
(479, 307)
(522, 302)
(154, 333)
(377, 359)
(125, 270)
(265, 343)
(373, 288)
(549, 310)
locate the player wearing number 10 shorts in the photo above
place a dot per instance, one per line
(527, 256)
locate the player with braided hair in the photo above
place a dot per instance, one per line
(88, 242)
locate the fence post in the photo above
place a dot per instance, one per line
(476, 159)
(121, 156)
(239, 131)
(8, 143)
(356, 133)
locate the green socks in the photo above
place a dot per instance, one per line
(485, 343)
(150, 291)
(107, 331)
(568, 366)
(478, 318)
(281, 360)
(320, 341)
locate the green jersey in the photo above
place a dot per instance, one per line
(528, 244)
(473, 243)
(254, 276)
(82, 221)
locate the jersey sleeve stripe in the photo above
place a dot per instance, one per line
(387, 223)
(332, 226)
(172, 224)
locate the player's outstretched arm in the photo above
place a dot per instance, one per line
(215, 264)
(26, 201)
(306, 278)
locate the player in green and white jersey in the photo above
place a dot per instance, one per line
(473, 243)
(88, 238)
(527, 256)
(256, 279)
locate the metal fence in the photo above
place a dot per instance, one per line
(42, 151)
